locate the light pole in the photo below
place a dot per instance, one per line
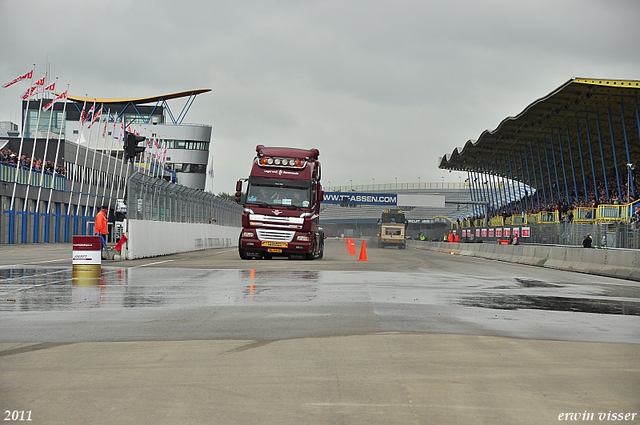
(374, 183)
(418, 182)
(351, 184)
(396, 182)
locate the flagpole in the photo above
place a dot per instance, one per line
(93, 160)
(75, 164)
(122, 163)
(149, 156)
(84, 166)
(104, 139)
(46, 147)
(113, 135)
(55, 162)
(163, 151)
(24, 126)
(104, 191)
(158, 150)
(33, 150)
(113, 179)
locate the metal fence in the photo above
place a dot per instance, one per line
(150, 198)
(612, 235)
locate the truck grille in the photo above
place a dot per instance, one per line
(275, 235)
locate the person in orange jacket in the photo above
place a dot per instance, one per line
(101, 223)
(457, 238)
(450, 238)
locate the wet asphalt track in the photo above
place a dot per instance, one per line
(401, 298)
(214, 295)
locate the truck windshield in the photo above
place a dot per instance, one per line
(279, 195)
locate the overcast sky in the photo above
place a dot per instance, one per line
(381, 88)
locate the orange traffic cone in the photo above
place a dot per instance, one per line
(363, 252)
(352, 248)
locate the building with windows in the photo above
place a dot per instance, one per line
(187, 144)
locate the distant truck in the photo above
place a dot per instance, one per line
(282, 205)
(393, 226)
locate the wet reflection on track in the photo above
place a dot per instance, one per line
(53, 289)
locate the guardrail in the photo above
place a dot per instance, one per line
(36, 178)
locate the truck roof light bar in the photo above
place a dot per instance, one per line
(281, 162)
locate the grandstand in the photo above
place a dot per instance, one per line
(574, 152)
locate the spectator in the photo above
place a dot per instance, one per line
(586, 242)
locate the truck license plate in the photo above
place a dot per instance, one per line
(277, 250)
(275, 244)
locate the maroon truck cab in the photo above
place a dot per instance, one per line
(282, 205)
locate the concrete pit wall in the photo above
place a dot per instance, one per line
(148, 238)
(624, 264)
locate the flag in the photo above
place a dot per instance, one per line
(30, 92)
(121, 134)
(95, 116)
(115, 123)
(40, 82)
(85, 118)
(26, 76)
(51, 87)
(82, 113)
(104, 132)
(121, 242)
(58, 98)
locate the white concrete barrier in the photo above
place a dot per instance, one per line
(148, 238)
(604, 262)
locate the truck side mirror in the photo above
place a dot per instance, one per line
(238, 191)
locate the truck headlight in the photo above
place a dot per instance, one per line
(302, 238)
(247, 235)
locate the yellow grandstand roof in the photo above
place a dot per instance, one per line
(140, 100)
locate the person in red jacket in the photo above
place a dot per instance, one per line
(101, 223)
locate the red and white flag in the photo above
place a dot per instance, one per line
(86, 117)
(51, 87)
(57, 99)
(26, 76)
(121, 134)
(95, 117)
(115, 123)
(40, 82)
(104, 131)
(30, 92)
(82, 113)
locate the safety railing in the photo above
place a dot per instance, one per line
(548, 217)
(497, 221)
(584, 214)
(612, 213)
(519, 219)
(33, 177)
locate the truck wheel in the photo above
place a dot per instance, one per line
(321, 254)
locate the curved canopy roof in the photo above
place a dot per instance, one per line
(584, 121)
(140, 100)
